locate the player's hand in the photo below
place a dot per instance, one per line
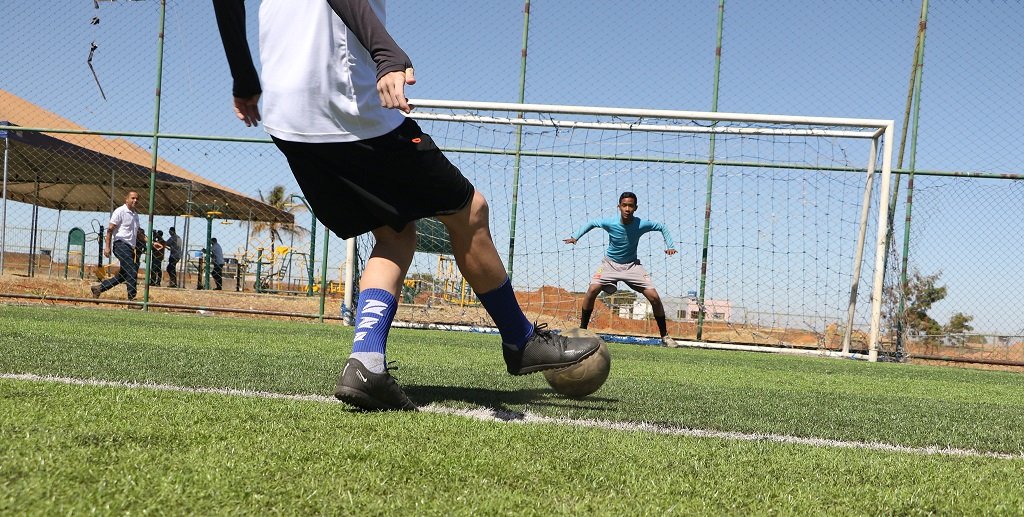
(570, 240)
(248, 110)
(158, 246)
(670, 251)
(106, 252)
(391, 88)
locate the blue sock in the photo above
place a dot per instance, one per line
(504, 309)
(374, 314)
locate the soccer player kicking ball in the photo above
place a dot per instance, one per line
(620, 263)
(333, 88)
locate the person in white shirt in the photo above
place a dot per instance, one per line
(122, 234)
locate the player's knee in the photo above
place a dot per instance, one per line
(407, 237)
(400, 241)
(479, 211)
(474, 216)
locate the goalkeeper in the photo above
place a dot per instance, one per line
(620, 263)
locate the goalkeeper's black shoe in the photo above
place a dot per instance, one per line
(546, 351)
(370, 391)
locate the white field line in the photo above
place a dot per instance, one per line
(495, 415)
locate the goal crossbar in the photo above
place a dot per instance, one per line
(651, 113)
(660, 128)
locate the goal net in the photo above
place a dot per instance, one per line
(775, 220)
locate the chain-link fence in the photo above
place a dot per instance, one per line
(90, 74)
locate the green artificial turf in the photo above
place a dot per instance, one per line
(71, 448)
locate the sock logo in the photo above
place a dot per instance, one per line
(370, 314)
(364, 323)
(374, 307)
(367, 322)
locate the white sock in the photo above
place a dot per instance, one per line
(373, 361)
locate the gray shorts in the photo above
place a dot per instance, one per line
(610, 273)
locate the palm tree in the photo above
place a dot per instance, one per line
(281, 201)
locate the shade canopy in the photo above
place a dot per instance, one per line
(93, 173)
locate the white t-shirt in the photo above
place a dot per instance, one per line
(308, 94)
(126, 223)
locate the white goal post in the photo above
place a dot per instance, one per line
(783, 215)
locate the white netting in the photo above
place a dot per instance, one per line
(785, 200)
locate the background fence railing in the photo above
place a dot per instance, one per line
(948, 73)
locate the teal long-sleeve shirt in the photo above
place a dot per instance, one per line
(623, 239)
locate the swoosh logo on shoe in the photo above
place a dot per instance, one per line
(361, 376)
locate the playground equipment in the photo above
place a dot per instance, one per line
(285, 257)
(76, 237)
(312, 243)
(333, 288)
(450, 285)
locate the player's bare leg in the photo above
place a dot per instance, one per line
(365, 381)
(526, 347)
(389, 260)
(473, 246)
(658, 308)
(588, 304)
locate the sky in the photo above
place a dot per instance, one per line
(831, 58)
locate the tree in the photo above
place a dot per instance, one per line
(920, 294)
(958, 327)
(278, 199)
(959, 323)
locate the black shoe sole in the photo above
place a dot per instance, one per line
(360, 400)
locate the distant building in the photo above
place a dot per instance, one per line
(640, 309)
(678, 309)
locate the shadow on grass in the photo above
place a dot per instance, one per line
(505, 405)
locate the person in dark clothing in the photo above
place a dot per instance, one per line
(173, 245)
(217, 260)
(156, 269)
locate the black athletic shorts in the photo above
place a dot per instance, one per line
(390, 180)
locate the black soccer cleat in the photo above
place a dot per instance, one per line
(546, 350)
(370, 391)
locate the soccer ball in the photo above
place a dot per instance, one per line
(584, 377)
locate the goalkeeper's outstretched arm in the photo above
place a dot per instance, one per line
(670, 246)
(582, 231)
